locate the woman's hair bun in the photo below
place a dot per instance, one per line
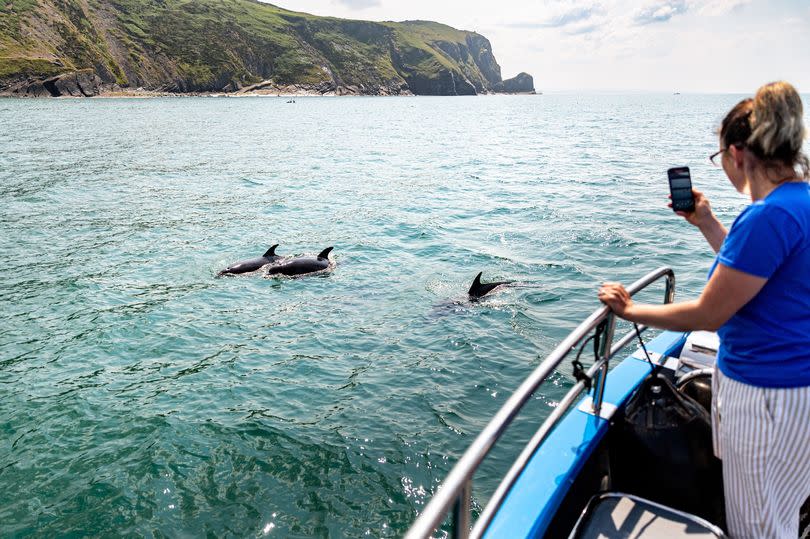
(777, 124)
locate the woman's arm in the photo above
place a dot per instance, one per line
(714, 232)
(727, 292)
(703, 218)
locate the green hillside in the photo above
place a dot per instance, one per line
(230, 45)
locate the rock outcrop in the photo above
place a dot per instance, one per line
(84, 83)
(446, 82)
(79, 84)
(523, 83)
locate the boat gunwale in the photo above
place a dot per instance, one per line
(544, 482)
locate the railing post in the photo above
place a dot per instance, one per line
(669, 291)
(461, 512)
(605, 344)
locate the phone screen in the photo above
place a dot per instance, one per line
(680, 187)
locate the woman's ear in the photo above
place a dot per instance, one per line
(737, 155)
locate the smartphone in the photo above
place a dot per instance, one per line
(680, 187)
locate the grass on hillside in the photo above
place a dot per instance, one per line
(213, 42)
(28, 67)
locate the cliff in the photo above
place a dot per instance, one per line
(82, 47)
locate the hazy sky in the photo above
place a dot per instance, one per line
(666, 45)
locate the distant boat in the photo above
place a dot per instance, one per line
(677, 93)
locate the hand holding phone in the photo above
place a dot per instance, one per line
(680, 188)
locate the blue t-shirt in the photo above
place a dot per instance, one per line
(767, 342)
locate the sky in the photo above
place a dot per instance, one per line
(712, 46)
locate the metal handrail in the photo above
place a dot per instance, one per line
(455, 491)
(697, 373)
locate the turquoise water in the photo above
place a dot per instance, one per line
(143, 396)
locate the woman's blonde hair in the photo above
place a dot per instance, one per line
(777, 126)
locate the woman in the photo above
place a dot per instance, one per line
(758, 300)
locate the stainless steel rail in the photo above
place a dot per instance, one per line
(697, 373)
(454, 494)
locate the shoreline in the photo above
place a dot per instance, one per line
(153, 94)
(92, 87)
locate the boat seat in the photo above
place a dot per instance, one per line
(613, 515)
(700, 349)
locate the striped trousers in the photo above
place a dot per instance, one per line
(762, 436)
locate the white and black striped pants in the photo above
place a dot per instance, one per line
(763, 437)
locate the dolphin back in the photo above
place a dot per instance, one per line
(478, 289)
(299, 266)
(245, 266)
(475, 288)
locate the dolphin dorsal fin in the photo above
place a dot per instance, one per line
(476, 285)
(325, 252)
(271, 251)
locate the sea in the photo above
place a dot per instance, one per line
(140, 395)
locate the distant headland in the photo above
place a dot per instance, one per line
(242, 47)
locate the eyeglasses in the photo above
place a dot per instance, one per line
(713, 156)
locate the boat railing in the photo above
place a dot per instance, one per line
(454, 495)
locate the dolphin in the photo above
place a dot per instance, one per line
(253, 264)
(301, 265)
(478, 290)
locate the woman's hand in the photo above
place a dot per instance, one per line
(702, 216)
(616, 297)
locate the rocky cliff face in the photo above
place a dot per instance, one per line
(81, 47)
(481, 51)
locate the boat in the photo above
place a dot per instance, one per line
(587, 471)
